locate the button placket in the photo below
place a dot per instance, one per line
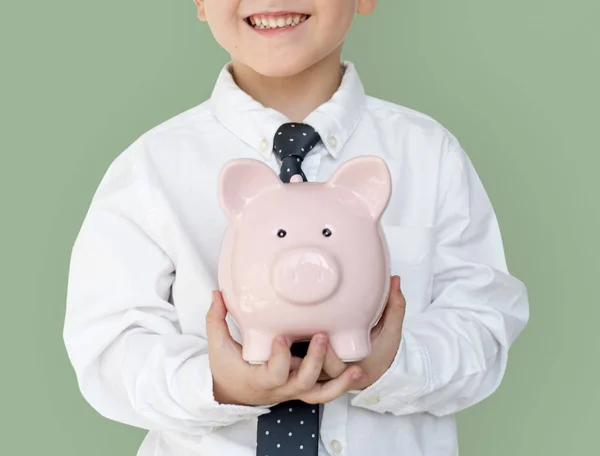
(333, 425)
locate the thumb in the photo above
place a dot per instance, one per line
(393, 316)
(397, 292)
(217, 310)
(217, 330)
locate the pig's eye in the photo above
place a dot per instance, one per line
(281, 233)
(326, 232)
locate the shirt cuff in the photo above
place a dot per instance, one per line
(406, 379)
(196, 385)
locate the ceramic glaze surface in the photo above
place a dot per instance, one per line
(304, 257)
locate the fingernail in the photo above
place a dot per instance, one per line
(282, 340)
(321, 340)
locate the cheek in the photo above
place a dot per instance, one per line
(337, 15)
(224, 22)
(226, 34)
(333, 29)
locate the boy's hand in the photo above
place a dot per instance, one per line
(385, 337)
(385, 341)
(282, 378)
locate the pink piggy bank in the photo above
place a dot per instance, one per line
(304, 257)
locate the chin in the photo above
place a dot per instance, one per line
(279, 68)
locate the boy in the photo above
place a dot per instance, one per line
(149, 352)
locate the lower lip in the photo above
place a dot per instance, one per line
(271, 31)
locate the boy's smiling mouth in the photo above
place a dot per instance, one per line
(276, 21)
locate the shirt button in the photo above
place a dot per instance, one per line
(336, 446)
(333, 142)
(264, 145)
(373, 400)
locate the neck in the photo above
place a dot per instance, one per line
(294, 96)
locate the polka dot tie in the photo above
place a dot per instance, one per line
(292, 142)
(292, 427)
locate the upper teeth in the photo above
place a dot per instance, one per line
(277, 22)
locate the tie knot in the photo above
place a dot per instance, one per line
(294, 139)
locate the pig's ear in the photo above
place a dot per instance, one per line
(240, 181)
(367, 177)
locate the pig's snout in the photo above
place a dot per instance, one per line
(305, 276)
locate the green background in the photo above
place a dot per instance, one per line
(516, 81)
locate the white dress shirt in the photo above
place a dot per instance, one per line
(145, 262)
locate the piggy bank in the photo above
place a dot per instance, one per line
(304, 257)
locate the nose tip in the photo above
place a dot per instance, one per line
(305, 276)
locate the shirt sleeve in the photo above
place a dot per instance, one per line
(121, 331)
(454, 353)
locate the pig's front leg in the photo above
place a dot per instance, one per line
(256, 346)
(351, 345)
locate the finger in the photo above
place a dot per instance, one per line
(325, 392)
(308, 373)
(324, 377)
(392, 288)
(376, 330)
(332, 365)
(393, 315)
(217, 330)
(295, 363)
(276, 371)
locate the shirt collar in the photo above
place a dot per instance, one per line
(255, 124)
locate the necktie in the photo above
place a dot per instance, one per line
(291, 428)
(292, 142)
